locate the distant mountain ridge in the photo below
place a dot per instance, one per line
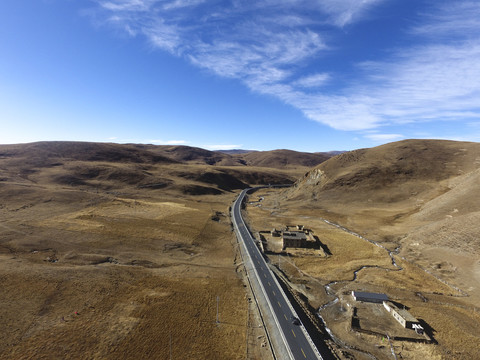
(283, 158)
(235, 151)
(130, 167)
(44, 152)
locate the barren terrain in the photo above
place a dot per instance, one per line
(400, 219)
(87, 275)
(117, 251)
(124, 251)
(357, 264)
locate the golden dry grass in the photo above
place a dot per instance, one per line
(457, 338)
(350, 253)
(107, 251)
(456, 328)
(95, 265)
(135, 271)
(140, 246)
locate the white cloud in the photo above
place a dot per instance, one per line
(177, 4)
(266, 43)
(260, 61)
(452, 19)
(428, 82)
(261, 42)
(337, 12)
(344, 12)
(312, 81)
(338, 112)
(164, 36)
(438, 80)
(126, 5)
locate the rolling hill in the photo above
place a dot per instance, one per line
(109, 250)
(422, 196)
(51, 153)
(186, 169)
(283, 158)
(400, 174)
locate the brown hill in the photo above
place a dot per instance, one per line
(192, 155)
(122, 251)
(118, 251)
(422, 196)
(121, 167)
(51, 153)
(284, 158)
(277, 159)
(390, 173)
(106, 253)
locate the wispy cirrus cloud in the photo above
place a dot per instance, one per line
(312, 81)
(126, 5)
(452, 19)
(179, 4)
(268, 44)
(435, 79)
(343, 12)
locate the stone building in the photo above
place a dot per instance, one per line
(294, 239)
(406, 319)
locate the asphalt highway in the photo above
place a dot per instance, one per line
(294, 334)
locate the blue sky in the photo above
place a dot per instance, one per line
(266, 74)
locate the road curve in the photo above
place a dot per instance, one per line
(298, 343)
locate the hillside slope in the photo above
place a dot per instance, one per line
(419, 162)
(189, 169)
(422, 196)
(191, 154)
(403, 174)
(51, 153)
(283, 158)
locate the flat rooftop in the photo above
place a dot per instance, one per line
(372, 296)
(402, 312)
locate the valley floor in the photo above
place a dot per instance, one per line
(356, 263)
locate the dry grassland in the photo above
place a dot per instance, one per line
(112, 251)
(453, 322)
(349, 254)
(97, 275)
(456, 328)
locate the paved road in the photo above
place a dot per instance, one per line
(294, 335)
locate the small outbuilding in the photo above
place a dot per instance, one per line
(406, 319)
(369, 297)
